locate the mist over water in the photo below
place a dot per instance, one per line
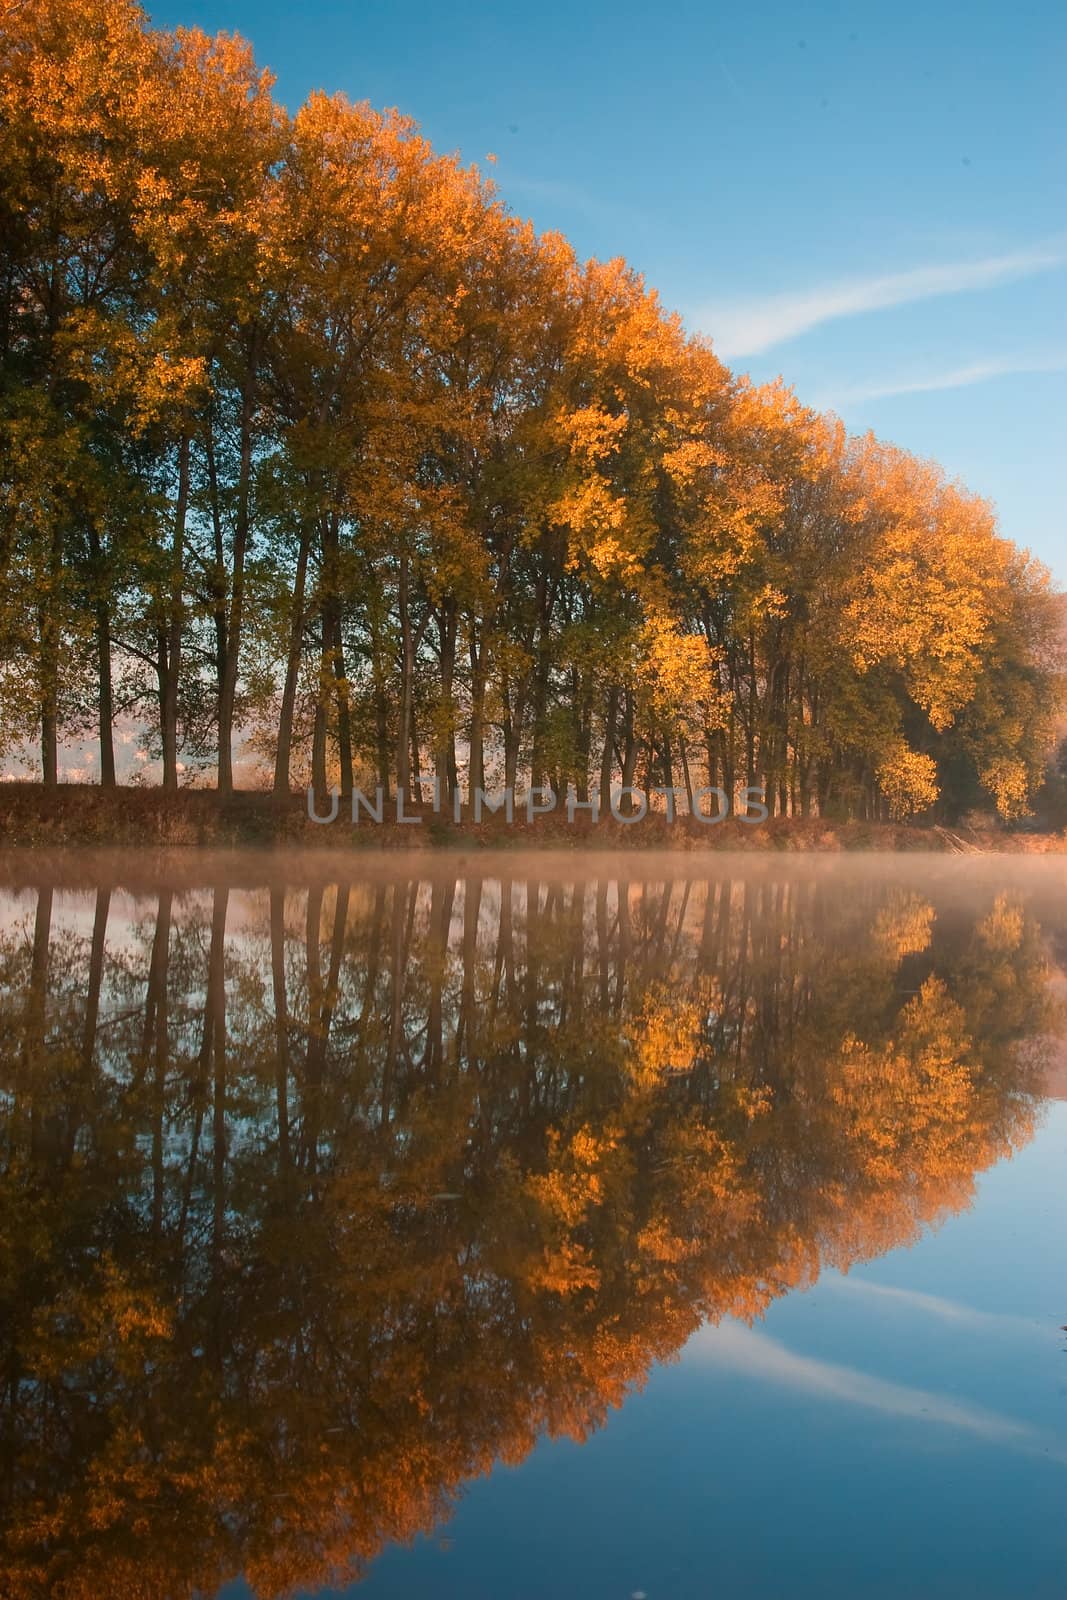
(330, 1184)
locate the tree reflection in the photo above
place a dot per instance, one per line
(318, 1202)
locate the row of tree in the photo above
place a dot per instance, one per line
(316, 1202)
(308, 446)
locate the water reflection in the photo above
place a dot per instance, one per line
(319, 1200)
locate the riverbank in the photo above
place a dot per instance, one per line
(83, 815)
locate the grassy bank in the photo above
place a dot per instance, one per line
(34, 818)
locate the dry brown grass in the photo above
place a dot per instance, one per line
(83, 815)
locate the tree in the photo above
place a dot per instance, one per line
(306, 441)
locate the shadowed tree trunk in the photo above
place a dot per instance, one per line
(49, 633)
(105, 697)
(607, 757)
(169, 637)
(287, 710)
(281, 1023)
(235, 617)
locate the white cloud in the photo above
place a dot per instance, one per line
(934, 1305)
(953, 378)
(745, 327)
(737, 1348)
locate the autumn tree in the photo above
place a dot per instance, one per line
(307, 444)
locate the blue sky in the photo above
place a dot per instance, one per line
(867, 199)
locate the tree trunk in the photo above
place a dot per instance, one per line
(540, 711)
(344, 710)
(105, 698)
(512, 720)
(333, 684)
(381, 737)
(50, 644)
(154, 1045)
(667, 760)
(318, 738)
(171, 640)
(96, 976)
(404, 735)
(235, 619)
(49, 738)
(607, 758)
(380, 698)
(281, 1023)
(686, 775)
(215, 1009)
(583, 734)
(630, 750)
(446, 747)
(476, 772)
(416, 763)
(283, 754)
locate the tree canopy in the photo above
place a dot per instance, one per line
(309, 447)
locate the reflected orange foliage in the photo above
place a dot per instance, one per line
(311, 1215)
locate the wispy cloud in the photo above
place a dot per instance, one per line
(737, 1348)
(934, 1305)
(745, 327)
(952, 378)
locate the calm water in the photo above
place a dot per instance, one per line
(515, 1228)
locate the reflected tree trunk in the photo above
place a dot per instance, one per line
(281, 1022)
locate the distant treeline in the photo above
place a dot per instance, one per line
(305, 440)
